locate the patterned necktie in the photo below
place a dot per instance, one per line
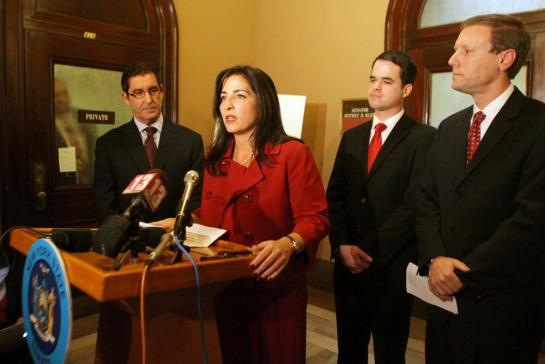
(375, 145)
(474, 137)
(149, 145)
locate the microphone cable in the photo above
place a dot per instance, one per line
(199, 305)
(199, 299)
(143, 313)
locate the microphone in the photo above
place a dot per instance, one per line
(72, 239)
(110, 235)
(166, 240)
(183, 217)
(149, 191)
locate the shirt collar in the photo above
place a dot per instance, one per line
(494, 107)
(158, 124)
(390, 122)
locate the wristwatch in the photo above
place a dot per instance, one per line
(294, 244)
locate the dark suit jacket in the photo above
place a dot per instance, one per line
(490, 214)
(372, 210)
(120, 155)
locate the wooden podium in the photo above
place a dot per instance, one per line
(172, 324)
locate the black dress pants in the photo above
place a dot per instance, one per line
(364, 309)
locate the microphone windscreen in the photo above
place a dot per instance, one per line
(73, 239)
(111, 236)
(151, 235)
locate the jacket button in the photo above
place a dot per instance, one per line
(363, 200)
(248, 237)
(247, 197)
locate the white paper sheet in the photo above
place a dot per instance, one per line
(67, 159)
(200, 236)
(197, 236)
(418, 286)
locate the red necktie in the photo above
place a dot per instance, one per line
(375, 145)
(474, 137)
(149, 145)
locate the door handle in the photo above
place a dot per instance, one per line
(40, 201)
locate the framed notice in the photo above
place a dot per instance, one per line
(355, 112)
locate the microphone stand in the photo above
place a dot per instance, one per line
(133, 246)
(180, 234)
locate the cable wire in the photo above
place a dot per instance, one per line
(143, 313)
(199, 299)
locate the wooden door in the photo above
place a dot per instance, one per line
(42, 38)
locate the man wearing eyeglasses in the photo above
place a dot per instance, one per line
(147, 141)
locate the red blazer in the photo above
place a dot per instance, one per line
(268, 201)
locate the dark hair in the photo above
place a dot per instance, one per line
(405, 63)
(137, 69)
(507, 32)
(268, 128)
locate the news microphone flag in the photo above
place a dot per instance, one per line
(150, 186)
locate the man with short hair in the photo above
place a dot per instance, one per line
(372, 236)
(121, 153)
(480, 220)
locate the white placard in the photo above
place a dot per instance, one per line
(292, 109)
(67, 159)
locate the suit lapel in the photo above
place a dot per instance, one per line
(135, 148)
(396, 136)
(457, 144)
(501, 125)
(166, 143)
(254, 173)
(361, 152)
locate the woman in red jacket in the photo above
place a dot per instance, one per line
(264, 188)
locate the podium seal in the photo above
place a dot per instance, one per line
(47, 303)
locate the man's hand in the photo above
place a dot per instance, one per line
(354, 259)
(443, 281)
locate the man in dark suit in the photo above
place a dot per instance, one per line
(372, 236)
(480, 220)
(120, 154)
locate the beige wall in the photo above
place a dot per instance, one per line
(319, 48)
(213, 35)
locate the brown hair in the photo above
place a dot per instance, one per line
(507, 32)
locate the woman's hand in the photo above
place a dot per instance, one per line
(272, 256)
(167, 224)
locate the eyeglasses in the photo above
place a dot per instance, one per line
(139, 94)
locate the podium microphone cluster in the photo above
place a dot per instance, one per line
(148, 191)
(183, 217)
